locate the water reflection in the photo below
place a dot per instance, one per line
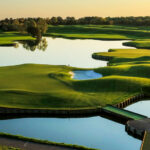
(35, 45)
(76, 53)
(94, 132)
(142, 107)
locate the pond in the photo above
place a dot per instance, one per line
(142, 107)
(94, 132)
(59, 51)
(85, 75)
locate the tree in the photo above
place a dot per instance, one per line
(35, 32)
(37, 29)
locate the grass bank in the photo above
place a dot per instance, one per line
(8, 148)
(9, 38)
(18, 137)
(104, 32)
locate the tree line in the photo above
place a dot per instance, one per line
(38, 26)
(16, 24)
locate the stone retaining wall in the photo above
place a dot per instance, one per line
(48, 112)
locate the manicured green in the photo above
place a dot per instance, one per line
(47, 86)
(18, 137)
(105, 32)
(9, 38)
(125, 113)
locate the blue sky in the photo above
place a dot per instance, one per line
(77, 8)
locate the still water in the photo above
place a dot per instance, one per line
(76, 53)
(86, 75)
(94, 132)
(142, 107)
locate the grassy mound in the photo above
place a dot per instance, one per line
(46, 86)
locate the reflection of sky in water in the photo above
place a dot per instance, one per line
(95, 132)
(142, 107)
(76, 53)
(85, 75)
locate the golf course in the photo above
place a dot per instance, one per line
(51, 86)
(39, 84)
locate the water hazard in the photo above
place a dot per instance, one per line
(76, 53)
(85, 75)
(94, 132)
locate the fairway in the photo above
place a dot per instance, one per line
(10, 38)
(51, 87)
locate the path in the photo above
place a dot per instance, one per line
(122, 114)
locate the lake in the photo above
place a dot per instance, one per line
(94, 132)
(76, 53)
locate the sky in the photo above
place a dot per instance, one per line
(76, 8)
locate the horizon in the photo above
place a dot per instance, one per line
(75, 8)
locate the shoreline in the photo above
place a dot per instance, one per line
(25, 142)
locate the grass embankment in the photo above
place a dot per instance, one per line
(9, 38)
(104, 32)
(8, 148)
(18, 137)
